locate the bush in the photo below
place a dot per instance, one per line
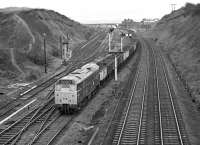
(38, 58)
(189, 7)
(196, 10)
(56, 52)
(32, 76)
(192, 9)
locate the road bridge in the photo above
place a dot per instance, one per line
(103, 25)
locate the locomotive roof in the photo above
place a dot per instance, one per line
(81, 74)
(102, 59)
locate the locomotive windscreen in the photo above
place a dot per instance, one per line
(65, 83)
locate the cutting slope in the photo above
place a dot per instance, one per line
(21, 39)
(179, 34)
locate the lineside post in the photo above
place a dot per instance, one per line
(109, 37)
(67, 53)
(122, 37)
(60, 42)
(115, 67)
(45, 54)
(115, 52)
(121, 44)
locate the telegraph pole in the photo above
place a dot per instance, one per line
(173, 6)
(122, 37)
(121, 44)
(68, 42)
(45, 54)
(109, 35)
(116, 67)
(60, 42)
(109, 42)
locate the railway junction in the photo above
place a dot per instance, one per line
(141, 108)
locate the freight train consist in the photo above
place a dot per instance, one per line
(80, 85)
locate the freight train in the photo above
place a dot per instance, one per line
(79, 86)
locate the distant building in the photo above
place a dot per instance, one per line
(129, 23)
(145, 20)
(148, 23)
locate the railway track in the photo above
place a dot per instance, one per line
(172, 129)
(50, 132)
(128, 128)
(54, 131)
(152, 115)
(44, 118)
(13, 133)
(10, 107)
(164, 120)
(122, 101)
(164, 124)
(39, 126)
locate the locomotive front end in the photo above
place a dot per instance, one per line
(66, 93)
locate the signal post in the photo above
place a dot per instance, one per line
(115, 52)
(116, 68)
(66, 52)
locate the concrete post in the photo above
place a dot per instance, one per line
(45, 54)
(115, 67)
(61, 45)
(121, 44)
(109, 43)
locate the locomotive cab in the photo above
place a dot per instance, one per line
(73, 89)
(65, 85)
(65, 93)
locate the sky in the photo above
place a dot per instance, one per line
(102, 11)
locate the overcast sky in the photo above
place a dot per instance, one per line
(99, 11)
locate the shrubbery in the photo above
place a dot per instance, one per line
(32, 75)
(5, 61)
(56, 52)
(197, 10)
(38, 58)
(192, 9)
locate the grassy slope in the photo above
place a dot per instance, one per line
(22, 29)
(180, 34)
